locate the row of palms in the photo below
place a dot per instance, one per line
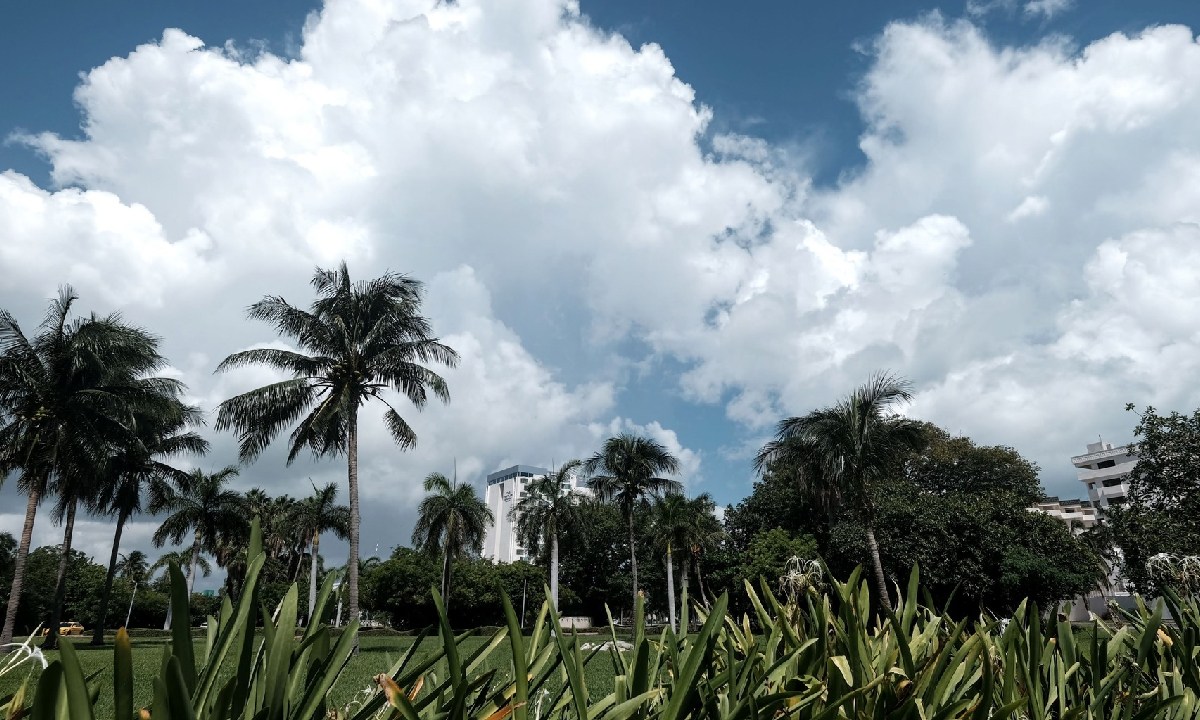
(629, 471)
(86, 420)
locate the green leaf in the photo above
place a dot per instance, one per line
(181, 627)
(78, 701)
(122, 676)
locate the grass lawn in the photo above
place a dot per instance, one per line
(377, 654)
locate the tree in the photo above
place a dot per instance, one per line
(671, 517)
(355, 342)
(160, 431)
(1161, 513)
(626, 471)
(320, 513)
(200, 504)
(451, 520)
(699, 534)
(841, 454)
(549, 505)
(67, 396)
(134, 567)
(181, 558)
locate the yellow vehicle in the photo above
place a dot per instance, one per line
(67, 628)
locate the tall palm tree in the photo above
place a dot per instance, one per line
(66, 397)
(180, 558)
(671, 516)
(138, 467)
(844, 454)
(548, 507)
(356, 341)
(451, 520)
(200, 504)
(134, 567)
(626, 471)
(320, 513)
(701, 533)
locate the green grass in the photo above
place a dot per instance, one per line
(377, 655)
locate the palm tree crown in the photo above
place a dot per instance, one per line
(627, 471)
(451, 520)
(842, 454)
(357, 341)
(547, 508)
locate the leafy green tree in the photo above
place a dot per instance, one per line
(451, 521)
(320, 513)
(699, 535)
(594, 570)
(626, 471)
(134, 567)
(67, 396)
(355, 342)
(1161, 513)
(842, 454)
(768, 553)
(199, 503)
(549, 506)
(161, 431)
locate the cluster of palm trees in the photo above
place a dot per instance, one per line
(86, 421)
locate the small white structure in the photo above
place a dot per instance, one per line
(505, 488)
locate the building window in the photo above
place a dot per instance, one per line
(1105, 464)
(1112, 482)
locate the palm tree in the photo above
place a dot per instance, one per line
(320, 513)
(843, 454)
(629, 467)
(701, 532)
(133, 567)
(548, 507)
(180, 558)
(138, 467)
(356, 341)
(670, 518)
(200, 504)
(66, 397)
(451, 520)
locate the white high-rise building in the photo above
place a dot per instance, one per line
(1104, 470)
(505, 488)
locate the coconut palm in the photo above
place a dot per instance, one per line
(548, 507)
(626, 471)
(843, 454)
(139, 467)
(180, 558)
(670, 516)
(701, 533)
(320, 513)
(134, 567)
(355, 342)
(200, 504)
(452, 521)
(67, 396)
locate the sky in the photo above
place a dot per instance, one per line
(682, 219)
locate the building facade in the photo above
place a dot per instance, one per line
(505, 488)
(1079, 515)
(1104, 471)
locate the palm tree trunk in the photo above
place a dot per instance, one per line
(670, 588)
(700, 585)
(312, 577)
(446, 579)
(683, 585)
(880, 581)
(98, 633)
(192, 569)
(352, 478)
(554, 572)
(60, 587)
(18, 581)
(633, 560)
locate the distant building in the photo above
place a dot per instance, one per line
(505, 488)
(1104, 470)
(1079, 515)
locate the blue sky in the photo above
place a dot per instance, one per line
(681, 218)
